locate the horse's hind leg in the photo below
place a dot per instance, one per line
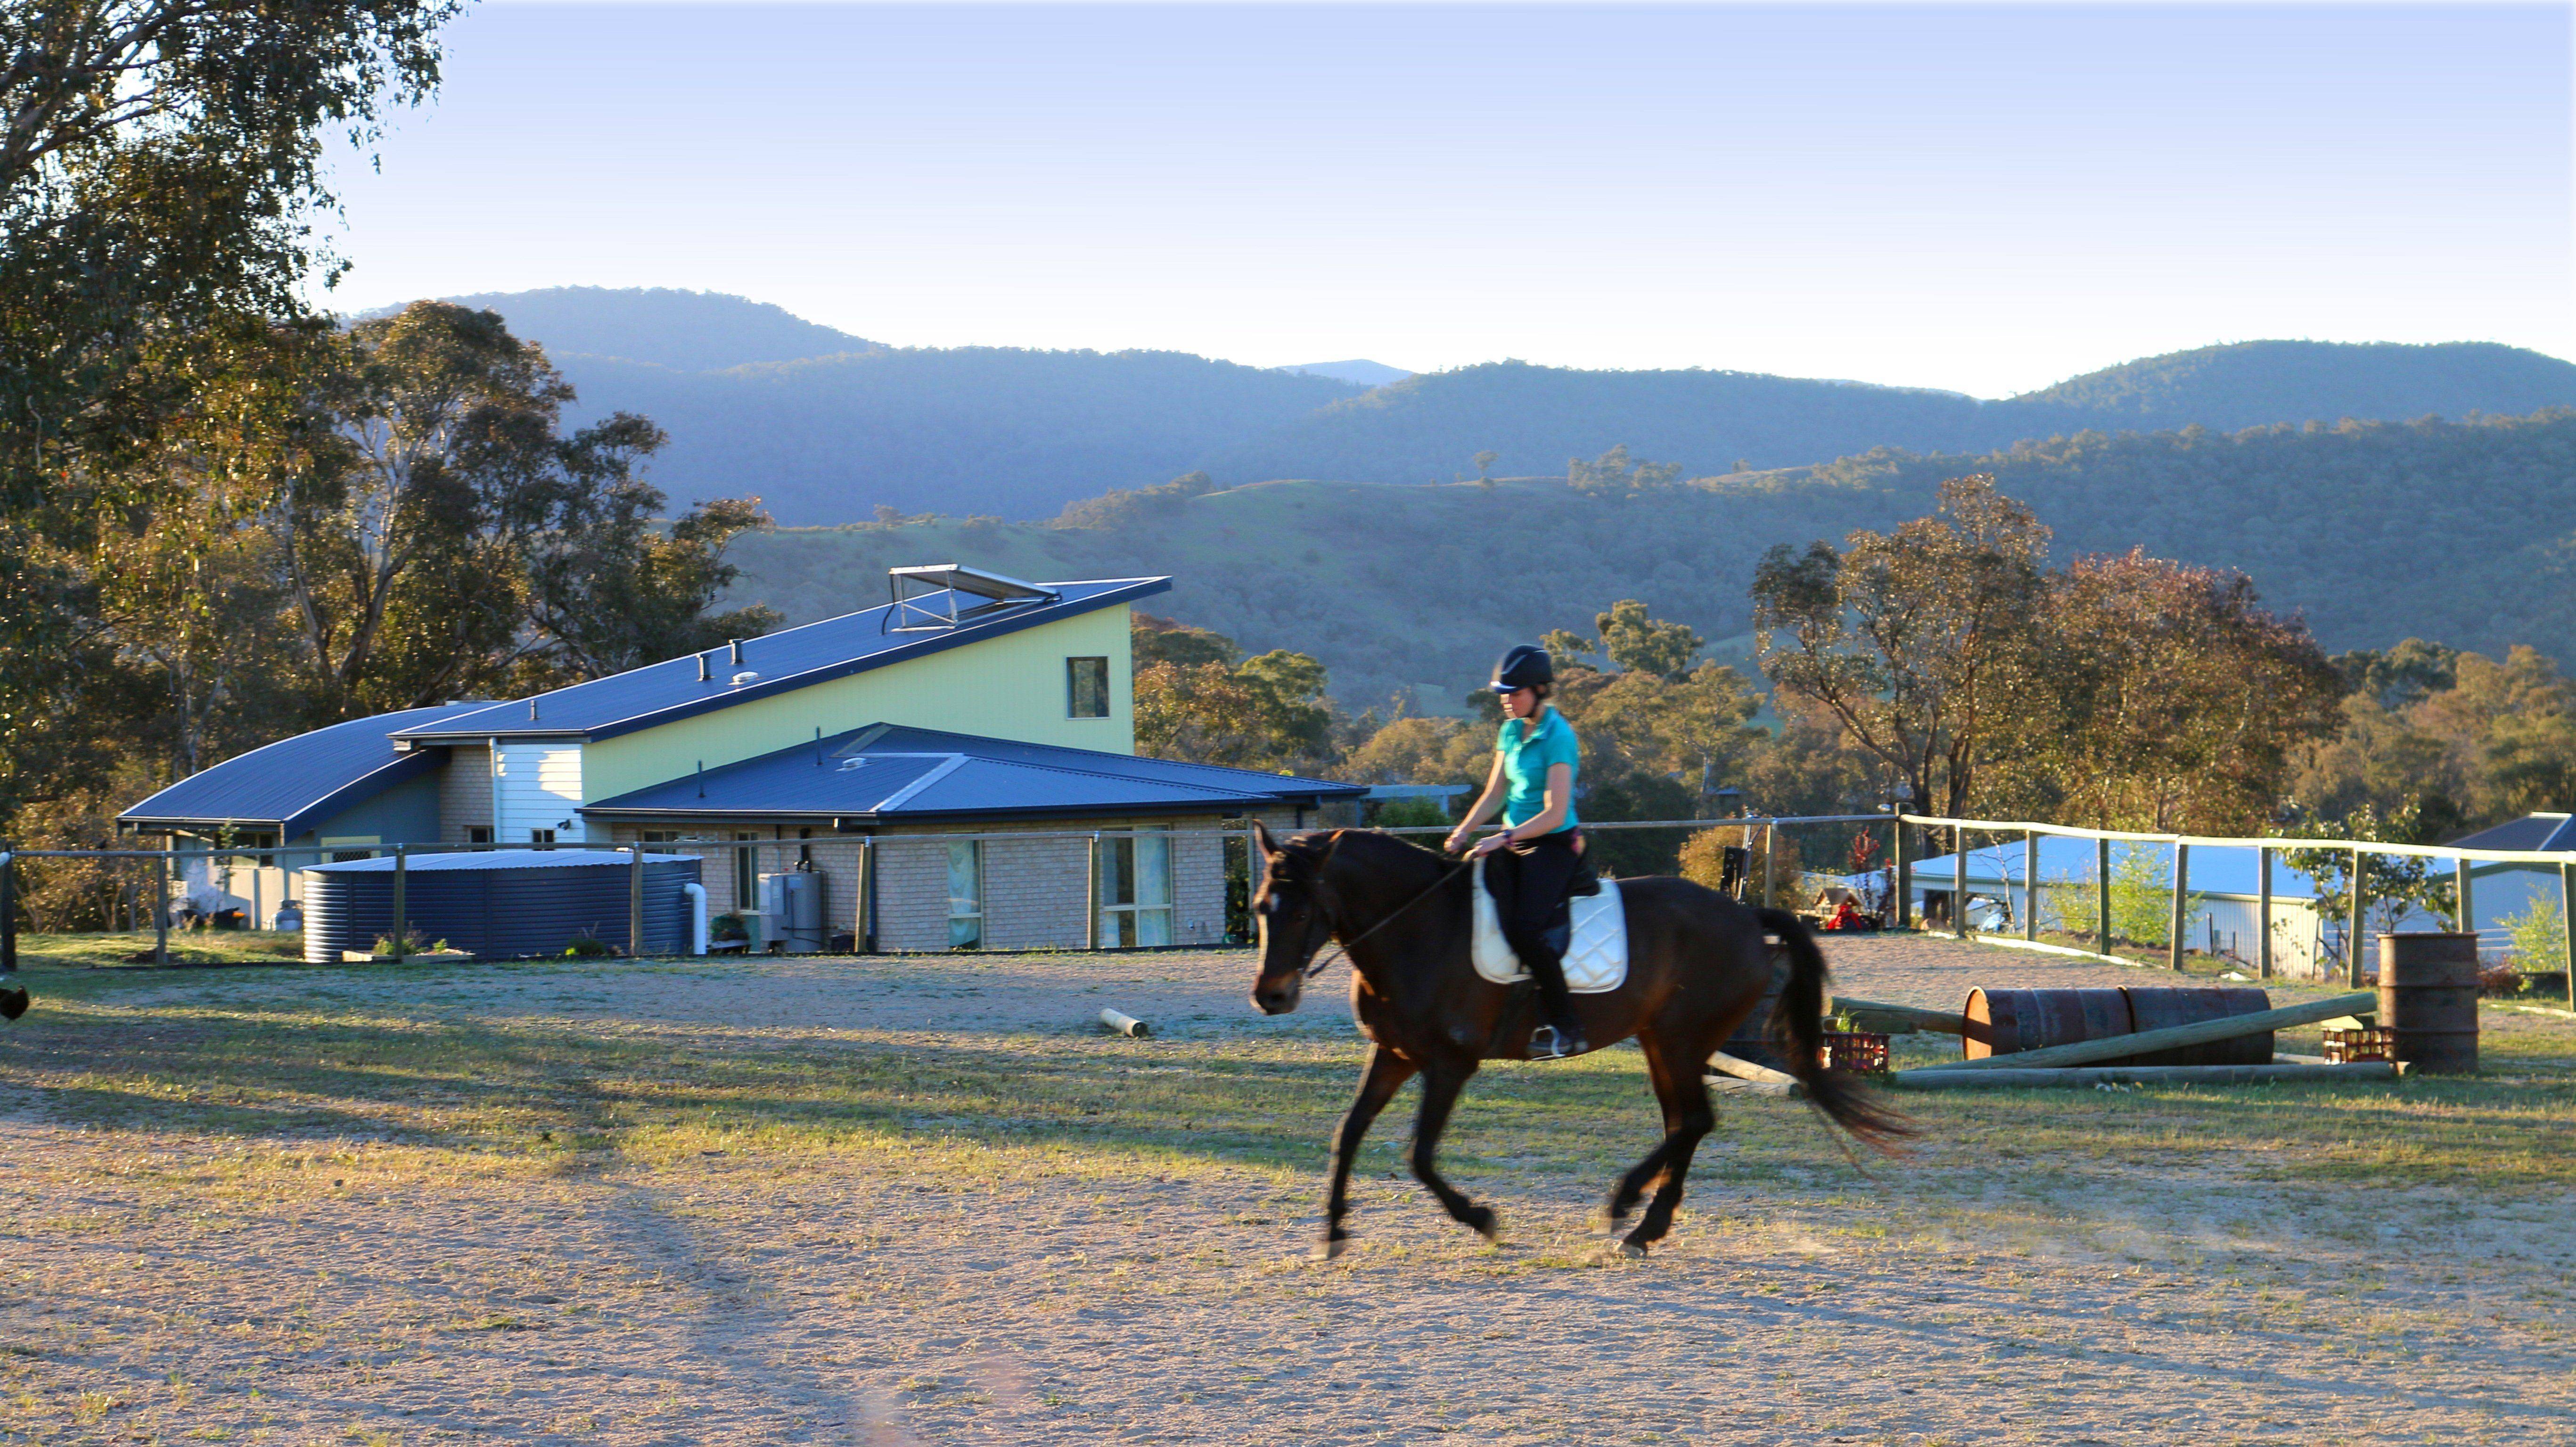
(1440, 1086)
(1387, 1071)
(1688, 1117)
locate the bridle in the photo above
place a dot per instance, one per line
(1342, 947)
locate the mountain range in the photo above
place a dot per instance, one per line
(827, 427)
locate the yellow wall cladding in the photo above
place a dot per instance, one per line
(1011, 687)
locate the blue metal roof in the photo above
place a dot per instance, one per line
(888, 774)
(472, 859)
(796, 658)
(2214, 869)
(2533, 832)
(296, 783)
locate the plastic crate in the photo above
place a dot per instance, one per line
(1862, 1052)
(2368, 1042)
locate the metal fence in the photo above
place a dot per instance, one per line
(2267, 849)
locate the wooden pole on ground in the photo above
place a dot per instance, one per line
(2263, 914)
(2101, 896)
(2030, 884)
(635, 904)
(2174, 933)
(2352, 926)
(402, 910)
(1899, 1019)
(2172, 1037)
(2075, 1077)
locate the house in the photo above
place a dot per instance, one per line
(898, 752)
(2500, 893)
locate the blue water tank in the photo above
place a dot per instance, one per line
(498, 904)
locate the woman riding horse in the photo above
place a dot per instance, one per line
(1531, 862)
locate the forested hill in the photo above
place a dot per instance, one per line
(2462, 532)
(827, 427)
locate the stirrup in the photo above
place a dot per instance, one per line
(1549, 1043)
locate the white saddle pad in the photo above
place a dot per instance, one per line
(1595, 963)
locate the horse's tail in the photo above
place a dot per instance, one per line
(1798, 1029)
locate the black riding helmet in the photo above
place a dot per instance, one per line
(1525, 666)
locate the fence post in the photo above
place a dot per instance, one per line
(2030, 884)
(1091, 894)
(2174, 935)
(1770, 851)
(2101, 896)
(2263, 913)
(161, 907)
(402, 908)
(1904, 874)
(2352, 926)
(8, 911)
(2468, 914)
(1959, 881)
(635, 904)
(2567, 931)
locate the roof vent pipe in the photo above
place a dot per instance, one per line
(532, 710)
(737, 653)
(706, 669)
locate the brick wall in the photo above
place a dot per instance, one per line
(464, 792)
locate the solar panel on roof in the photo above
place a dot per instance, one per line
(942, 583)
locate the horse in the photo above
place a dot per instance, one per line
(1698, 964)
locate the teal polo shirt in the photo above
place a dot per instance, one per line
(1527, 754)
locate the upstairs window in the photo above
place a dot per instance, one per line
(478, 833)
(1086, 687)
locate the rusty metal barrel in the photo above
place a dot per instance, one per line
(2006, 1022)
(2003, 1022)
(2155, 1007)
(2428, 994)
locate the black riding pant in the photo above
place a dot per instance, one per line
(1528, 884)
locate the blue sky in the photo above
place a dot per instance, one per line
(1984, 199)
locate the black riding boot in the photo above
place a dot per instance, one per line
(1540, 872)
(1562, 1035)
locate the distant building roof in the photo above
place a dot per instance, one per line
(659, 693)
(296, 783)
(2536, 833)
(2213, 869)
(886, 773)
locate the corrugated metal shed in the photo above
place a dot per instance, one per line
(296, 783)
(796, 658)
(885, 773)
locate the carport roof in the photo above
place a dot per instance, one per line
(887, 773)
(296, 783)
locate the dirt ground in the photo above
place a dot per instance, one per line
(895, 1201)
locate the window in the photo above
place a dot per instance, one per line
(1136, 889)
(1086, 687)
(657, 836)
(478, 833)
(541, 836)
(746, 874)
(965, 894)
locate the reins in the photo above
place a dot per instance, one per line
(1343, 947)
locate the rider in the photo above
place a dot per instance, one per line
(1530, 863)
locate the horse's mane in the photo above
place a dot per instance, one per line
(1373, 848)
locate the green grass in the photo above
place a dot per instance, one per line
(187, 947)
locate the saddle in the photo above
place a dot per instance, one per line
(1593, 942)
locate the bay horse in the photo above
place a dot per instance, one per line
(1698, 964)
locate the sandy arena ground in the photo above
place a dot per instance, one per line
(361, 1282)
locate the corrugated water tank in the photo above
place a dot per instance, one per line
(498, 904)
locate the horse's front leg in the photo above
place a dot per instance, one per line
(1441, 1083)
(1387, 1071)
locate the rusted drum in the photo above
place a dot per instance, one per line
(2155, 1007)
(2003, 1022)
(2428, 994)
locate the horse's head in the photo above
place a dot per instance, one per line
(1292, 910)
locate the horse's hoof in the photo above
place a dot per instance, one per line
(1481, 1218)
(1327, 1250)
(1632, 1251)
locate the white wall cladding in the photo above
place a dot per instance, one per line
(539, 787)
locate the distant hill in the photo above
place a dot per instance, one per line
(827, 427)
(1396, 586)
(1358, 371)
(688, 331)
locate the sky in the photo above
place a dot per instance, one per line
(1981, 199)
